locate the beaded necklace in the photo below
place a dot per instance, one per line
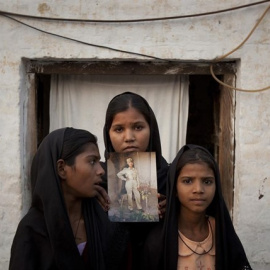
(205, 252)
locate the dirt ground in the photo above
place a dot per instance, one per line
(119, 209)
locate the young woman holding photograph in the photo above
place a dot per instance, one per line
(131, 126)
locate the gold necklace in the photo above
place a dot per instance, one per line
(205, 252)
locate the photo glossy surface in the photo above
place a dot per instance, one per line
(132, 187)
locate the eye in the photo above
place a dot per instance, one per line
(187, 181)
(139, 127)
(209, 181)
(118, 129)
(93, 161)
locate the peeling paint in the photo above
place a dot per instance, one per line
(261, 190)
(43, 8)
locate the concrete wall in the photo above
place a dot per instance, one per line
(184, 39)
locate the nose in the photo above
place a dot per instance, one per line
(100, 170)
(198, 187)
(129, 135)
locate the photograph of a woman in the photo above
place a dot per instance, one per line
(132, 187)
(130, 176)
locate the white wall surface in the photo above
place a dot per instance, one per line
(200, 38)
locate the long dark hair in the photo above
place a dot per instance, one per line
(75, 142)
(123, 102)
(50, 216)
(195, 155)
(229, 250)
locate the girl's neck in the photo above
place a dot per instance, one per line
(193, 226)
(74, 207)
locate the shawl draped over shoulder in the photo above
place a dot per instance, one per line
(161, 247)
(44, 239)
(139, 231)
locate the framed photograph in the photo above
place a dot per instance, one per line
(132, 187)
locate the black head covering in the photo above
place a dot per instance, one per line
(121, 103)
(230, 254)
(44, 238)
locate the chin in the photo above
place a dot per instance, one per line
(92, 194)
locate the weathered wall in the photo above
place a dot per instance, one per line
(184, 39)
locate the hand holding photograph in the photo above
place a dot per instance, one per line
(132, 187)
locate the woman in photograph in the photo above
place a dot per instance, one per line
(130, 176)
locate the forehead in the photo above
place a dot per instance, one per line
(130, 115)
(90, 149)
(198, 167)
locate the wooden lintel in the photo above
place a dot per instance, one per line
(127, 67)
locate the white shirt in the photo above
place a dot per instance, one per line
(128, 174)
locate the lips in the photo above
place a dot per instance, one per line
(198, 201)
(130, 149)
(98, 183)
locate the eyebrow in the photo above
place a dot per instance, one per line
(94, 156)
(189, 176)
(136, 122)
(116, 125)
